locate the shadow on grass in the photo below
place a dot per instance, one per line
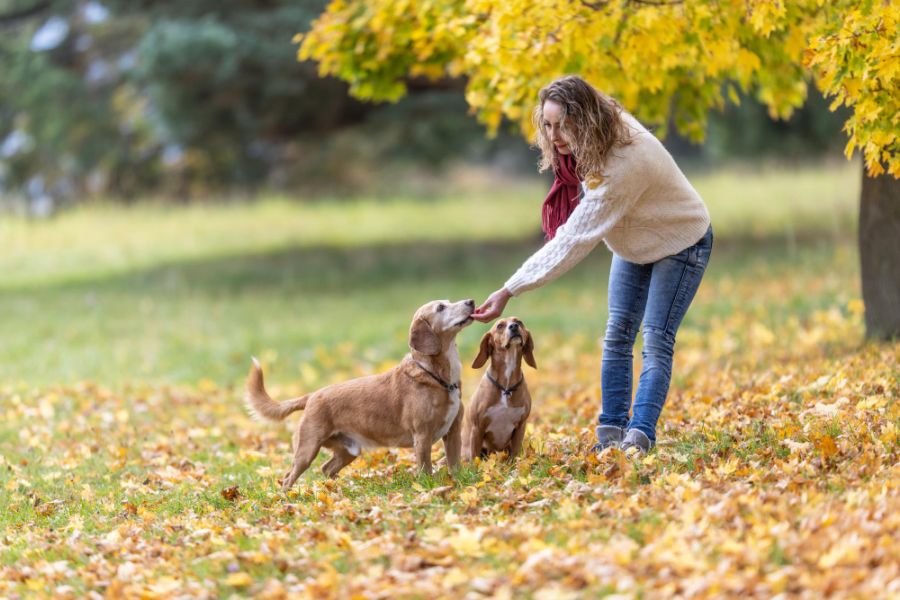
(316, 269)
(330, 270)
(203, 318)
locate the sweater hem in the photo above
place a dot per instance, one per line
(665, 251)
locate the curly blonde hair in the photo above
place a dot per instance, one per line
(592, 126)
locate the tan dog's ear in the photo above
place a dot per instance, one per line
(422, 338)
(485, 352)
(528, 351)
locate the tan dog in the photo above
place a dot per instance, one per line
(499, 409)
(413, 405)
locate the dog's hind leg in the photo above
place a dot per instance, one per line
(341, 458)
(295, 441)
(306, 452)
(306, 442)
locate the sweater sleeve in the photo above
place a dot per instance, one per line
(589, 223)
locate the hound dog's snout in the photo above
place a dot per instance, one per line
(470, 303)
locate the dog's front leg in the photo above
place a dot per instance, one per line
(475, 441)
(453, 441)
(468, 432)
(515, 445)
(422, 448)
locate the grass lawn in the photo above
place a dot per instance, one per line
(156, 293)
(128, 467)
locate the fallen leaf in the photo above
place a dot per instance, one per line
(239, 579)
(231, 493)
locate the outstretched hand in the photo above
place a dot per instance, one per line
(493, 306)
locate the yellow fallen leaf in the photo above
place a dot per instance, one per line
(240, 579)
(827, 447)
(845, 552)
(729, 467)
(466, 542)
(165, 586)
(872, 402)
(469, 496)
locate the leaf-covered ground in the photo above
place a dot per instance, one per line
(776, 470)
(777, 473)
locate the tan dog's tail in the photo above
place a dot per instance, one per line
(261, 405)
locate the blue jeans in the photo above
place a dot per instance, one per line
(659, 295)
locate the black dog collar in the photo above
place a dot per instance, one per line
(506, 391)
(450, 387)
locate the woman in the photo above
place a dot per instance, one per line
(614, 181)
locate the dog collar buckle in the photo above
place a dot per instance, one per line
(506, 392)
(450, 387)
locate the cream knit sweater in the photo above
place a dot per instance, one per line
(645, 209)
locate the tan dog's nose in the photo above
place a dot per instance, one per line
(470, 303)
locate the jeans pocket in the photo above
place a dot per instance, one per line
(703, 256)
(705, 248)
(692, 256)
(698, 254)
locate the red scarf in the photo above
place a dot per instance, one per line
(563, 196)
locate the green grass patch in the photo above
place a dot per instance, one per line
(163, 293)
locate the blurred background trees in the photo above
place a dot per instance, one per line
(177, 99)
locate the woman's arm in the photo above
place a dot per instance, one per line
(589, 223)
(596, 214)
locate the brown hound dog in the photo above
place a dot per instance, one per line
(415, 404)
(499, 409)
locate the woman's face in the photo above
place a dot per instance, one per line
(553, 114)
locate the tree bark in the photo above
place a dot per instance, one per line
(879, 253)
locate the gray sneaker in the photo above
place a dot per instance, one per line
(635, 438)
(608, 436)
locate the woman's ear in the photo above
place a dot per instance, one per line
(422, 338)
(485, 352)
(528, 351)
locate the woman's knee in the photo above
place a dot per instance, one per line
(620, 335)
(658, 343)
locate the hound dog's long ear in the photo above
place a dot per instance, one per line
(528, 351)
(422, 338)
(484, 353)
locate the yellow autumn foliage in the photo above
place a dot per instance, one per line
(660, 59)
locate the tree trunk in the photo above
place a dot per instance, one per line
(879, 253)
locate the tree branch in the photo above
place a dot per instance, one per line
(10, 18)
(425, 84)
(657, 2)
(600, 4)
